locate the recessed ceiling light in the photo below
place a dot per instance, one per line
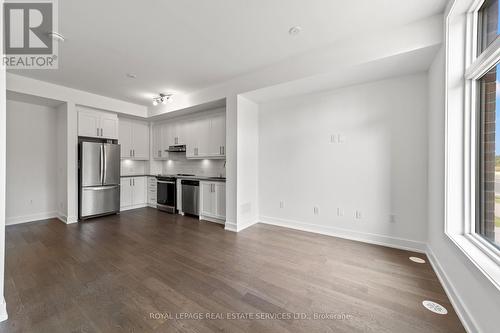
(56, 36)
(294, 31)
(131, 76)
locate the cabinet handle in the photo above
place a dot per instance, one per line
(97, 131)
(101, 132)
(133, 152)
(223, 150)
(130, 152)
(133, 181)
(130, 181)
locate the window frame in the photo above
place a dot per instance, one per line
(476, 67)
(463, 69)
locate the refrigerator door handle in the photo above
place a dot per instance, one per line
(101, 159)
(105, 166)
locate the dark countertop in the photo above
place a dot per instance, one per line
(127, 176)
(207, 178)
(204, 178)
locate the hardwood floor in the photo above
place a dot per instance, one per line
(128, 272)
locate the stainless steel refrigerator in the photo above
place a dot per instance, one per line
(99, 179)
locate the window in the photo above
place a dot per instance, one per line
(487, 24)
(487, 218)
(488, 141)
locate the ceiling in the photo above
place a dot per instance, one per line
(182, 46)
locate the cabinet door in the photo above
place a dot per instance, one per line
(218, 135)
(207, 199)
(196, 139)
(125, 192)
(88, 124)
(181, 132)
(139, 196)
(204, 137)
(140, 140)
(220, 200)
(109, 125)
(157, 144)
(191, 139)
(169, 135)
(125, 137)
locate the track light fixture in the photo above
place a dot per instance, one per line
(162, 98)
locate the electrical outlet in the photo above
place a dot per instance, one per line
(337, 138)
(340, 212)
(392, 218)
(316, 210)
(282, 204)
(357, 215)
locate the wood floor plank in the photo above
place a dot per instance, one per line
(148, 271)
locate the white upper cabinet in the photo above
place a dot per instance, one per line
(204, 136)
(218, 135)
(176, 133)
(97, 124)
(125, 140)
(134, 139)
(207, 137)
(159, 142)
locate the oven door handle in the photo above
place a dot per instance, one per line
(163, 182)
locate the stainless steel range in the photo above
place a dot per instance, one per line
(166, 195)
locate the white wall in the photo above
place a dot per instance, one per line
(62, 162)
(473, 295)
(31, 162)
(379, 169)
(248, 164)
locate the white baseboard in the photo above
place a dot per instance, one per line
(467, 321)
(63, 218)
(231, 226)
(30, 218)
(3, 310)
(394, 242)
(122, 209)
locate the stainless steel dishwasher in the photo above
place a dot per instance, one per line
(190, 197)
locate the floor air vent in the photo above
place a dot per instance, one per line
(435, 307)
(417, 260)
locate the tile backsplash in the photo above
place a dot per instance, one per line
(197, 167)
(130, 167)
(177, 164)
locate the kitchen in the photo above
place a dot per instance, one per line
(182, 171)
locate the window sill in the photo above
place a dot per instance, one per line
(482, 256)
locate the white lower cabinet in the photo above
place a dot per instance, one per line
(213, 201)
(133, 192)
